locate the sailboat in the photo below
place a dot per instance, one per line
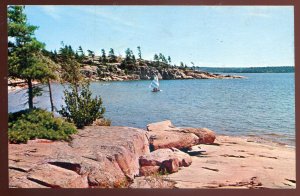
(155, 84)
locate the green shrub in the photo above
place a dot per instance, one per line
(80, 107)
(37, 123)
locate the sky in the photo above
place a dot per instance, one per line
(208, 36)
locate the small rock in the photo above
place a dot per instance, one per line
(149, 170)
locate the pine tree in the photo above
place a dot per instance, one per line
(103, 57)
(91, 54)
(80, 54)
(24, 52)
(80, 107)
(156, 58)
(162, 58)
(112, 57)
(169, 59)
(139, 53)
(133, 60)
(70, 68)
(193, 67)
(181, 65)
(51, 76)
(128, 55)
(55, 56)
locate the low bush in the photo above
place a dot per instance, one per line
(37, 123)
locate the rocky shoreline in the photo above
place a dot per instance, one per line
(113, 72)
(164, 156)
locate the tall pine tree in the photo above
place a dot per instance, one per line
(139, 52)
(103, 57)
(24, 52)
(111, 55)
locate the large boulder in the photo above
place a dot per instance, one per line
(165, 135)
(163, 160)
(96, 157)
(205, 135)
(122, 145)
(170, 139)
(100, 170)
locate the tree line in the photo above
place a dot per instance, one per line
(279, 69)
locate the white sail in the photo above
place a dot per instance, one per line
(154, 83)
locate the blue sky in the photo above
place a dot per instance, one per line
(213, 36)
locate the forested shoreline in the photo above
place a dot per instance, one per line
(279, 69)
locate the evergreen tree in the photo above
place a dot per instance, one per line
(181, 65)
(129, 60)
(70, 68)
(139, 53)
(66, 51)
(193, 67)
(103, 57)
(24, 52)
(128, 55)
(55, 56)
(133, 60)
(90, 53)
(169, 59)
(162, 58)
(80, 107)
(76, 56)
(71, 51)
(156, 58)
(51, 76)
(79, 54)
(112, 57)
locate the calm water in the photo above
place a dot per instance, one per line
(262, 104)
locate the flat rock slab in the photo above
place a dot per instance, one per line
(233, 162)
(97, 157)
(17, 179)
(152, 182)
(57, 177)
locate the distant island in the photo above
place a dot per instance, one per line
(281, 69)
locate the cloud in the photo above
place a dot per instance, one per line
(52, 11)
(106, 15)
(265, 11)
(259, 14)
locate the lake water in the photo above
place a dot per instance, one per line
(262, 104)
